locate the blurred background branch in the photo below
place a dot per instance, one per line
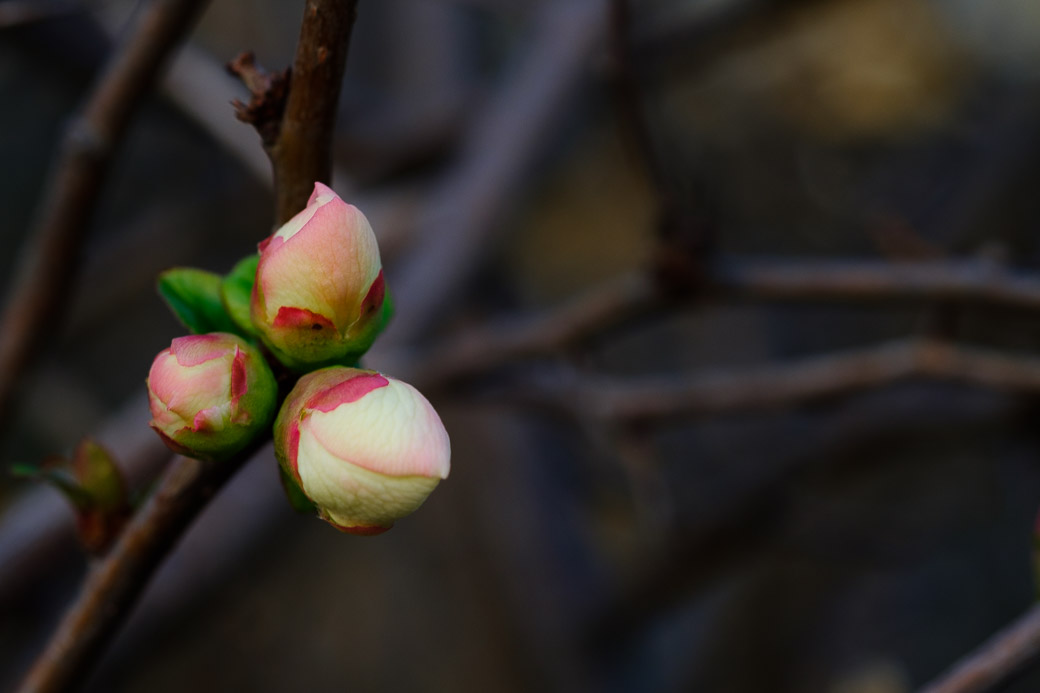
(17, 12)
(47, 264)
(995, 661)
(616, 400)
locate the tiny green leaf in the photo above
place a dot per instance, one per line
(194, 297)
(94, 486)
(236, 290)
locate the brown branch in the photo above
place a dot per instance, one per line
(47, 263)
(113, 586)
(303, 152)
(995, 661)
(480, 350)
(775, 386)
(477, 351)
(116, 581)
(858, 280)
(198, 85)
(295, 110)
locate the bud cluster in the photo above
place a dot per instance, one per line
(364, 449)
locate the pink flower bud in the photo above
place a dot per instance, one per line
(319, 293)
(364, 448)
(210, 395)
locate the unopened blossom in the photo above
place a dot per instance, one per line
(366, 449)
(210, 395)
(319, 293)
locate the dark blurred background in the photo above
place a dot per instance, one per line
(853, 545)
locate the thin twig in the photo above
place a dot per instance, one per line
(114, 584)
(858, 280)
(200, 87)
(480, 350)
(47, 264)
(268, 92)
(477, 351)
(995, 661)
(775, 386)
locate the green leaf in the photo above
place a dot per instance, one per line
(194, 297)
(236, 290)
(297, 499)
(370, 332)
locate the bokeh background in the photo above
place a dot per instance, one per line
(858, 544)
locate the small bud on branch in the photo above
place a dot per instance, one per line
(364, 448)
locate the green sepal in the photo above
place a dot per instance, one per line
(355, 346)
(368, 335)
(386, 313)
(194, 296)
(236, 290)
(295, 495)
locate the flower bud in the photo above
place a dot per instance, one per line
(319, 293)
(210, 395)
(364, 448)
